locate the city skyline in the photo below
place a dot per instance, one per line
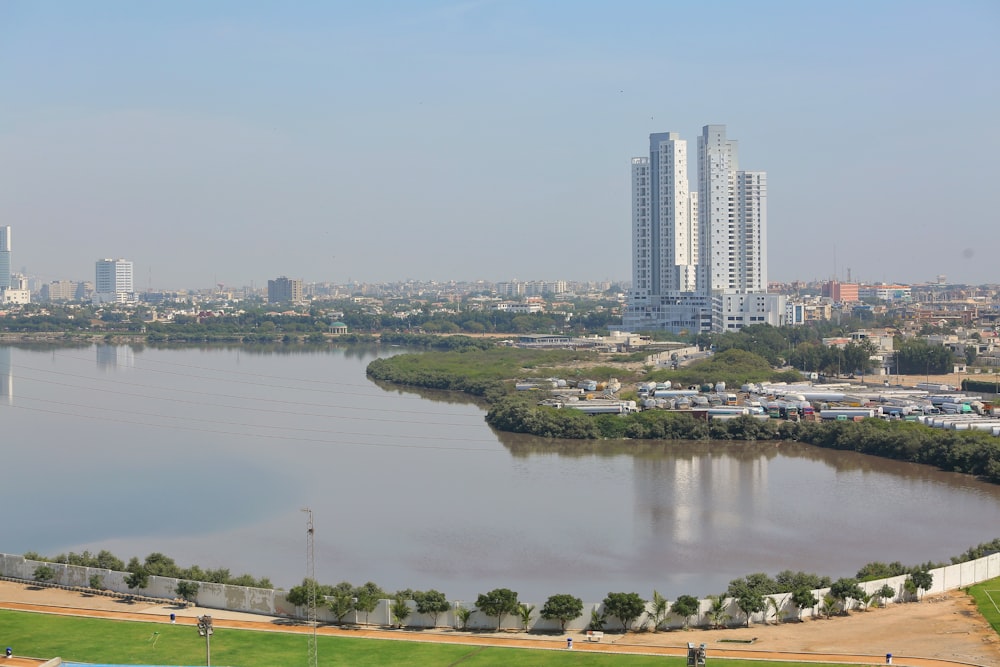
(484, 139)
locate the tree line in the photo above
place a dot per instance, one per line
(756, 593)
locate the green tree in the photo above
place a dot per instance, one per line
(432, 602)
(562, 607)
(188, 590)
(910, 587)
(685, 606)
(108, 561)
(44, 573)
(137, 576)
(341, 604)
(366, 598)
(97, 582)
(802, 598)
(887, 592)
(923, 580)
(400, 610)
(750, 602)
(310, 592)
(626, 607)
(844, 590)
(525, 611)
(498, 602)
(158, 565)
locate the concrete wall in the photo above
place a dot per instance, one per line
(274, 603)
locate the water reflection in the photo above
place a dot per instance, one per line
(114, 357)
(6, 377)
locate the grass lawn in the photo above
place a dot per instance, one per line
(123, 642)
(987, 596)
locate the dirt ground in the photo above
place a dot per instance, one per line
(945, 627)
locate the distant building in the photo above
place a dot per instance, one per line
(113, 281)
(64, 290)
(839, 292)
(283, 290)
(883, 292)
(4, 257)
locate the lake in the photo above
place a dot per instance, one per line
(210, 454)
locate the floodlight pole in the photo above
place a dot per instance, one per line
(205, 629)
(311, 592)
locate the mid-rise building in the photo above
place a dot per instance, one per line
(113, 281)
(284, 290)
(839, 292)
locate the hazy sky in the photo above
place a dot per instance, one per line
(236, 141)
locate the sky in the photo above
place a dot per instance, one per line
(236, 141)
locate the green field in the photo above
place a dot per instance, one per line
(987, 596)
(123, 642)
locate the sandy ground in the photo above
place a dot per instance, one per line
(941, 629)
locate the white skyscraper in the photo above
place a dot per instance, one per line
(113, 281)
(732, 218)
(692, 249)
(4, 257)
(664, 231)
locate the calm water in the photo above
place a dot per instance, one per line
(209, 455)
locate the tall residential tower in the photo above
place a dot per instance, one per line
(699, 259)
(4, 257)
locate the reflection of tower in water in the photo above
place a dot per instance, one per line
(6, 377)
(689, 496)
(115, 356)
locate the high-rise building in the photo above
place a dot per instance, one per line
(283, 290)
(4, 257)
(113, 281)
(697, 255)
(733, 218)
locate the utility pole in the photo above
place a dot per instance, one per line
(311, 579)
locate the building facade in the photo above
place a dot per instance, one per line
(698, 256)
(113, 281)
(4, 257)
(284, 290)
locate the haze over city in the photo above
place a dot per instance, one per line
(232, 142)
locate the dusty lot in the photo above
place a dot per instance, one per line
(946, 627)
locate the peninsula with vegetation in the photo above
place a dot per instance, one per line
(488, 371)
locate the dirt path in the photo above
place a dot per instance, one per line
(942, 630)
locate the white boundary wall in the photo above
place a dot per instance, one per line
(273, 603)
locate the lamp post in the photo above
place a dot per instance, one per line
(205, 630)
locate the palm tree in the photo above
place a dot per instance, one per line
(829, 605)
(524, 611)
(717, 614)
(400, 610)
(660, 610)
(775, 606)
(462, 615)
